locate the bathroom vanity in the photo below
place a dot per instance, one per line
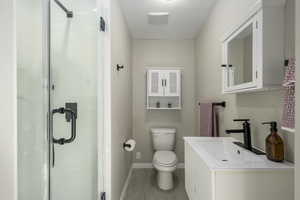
(217, 169)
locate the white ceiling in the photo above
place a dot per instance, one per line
(185, 17)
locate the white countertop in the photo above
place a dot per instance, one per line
(221, 154)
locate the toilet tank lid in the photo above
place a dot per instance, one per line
(163, 130)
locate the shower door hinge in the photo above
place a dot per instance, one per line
(102, 24)
(102, 196)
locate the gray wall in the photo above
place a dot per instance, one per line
(162, 53)
(8, 104)
(297, 141)
(259, 107)
(121, 110)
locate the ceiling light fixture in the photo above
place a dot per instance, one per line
(158, 13)
(158, 18)
(168, 1)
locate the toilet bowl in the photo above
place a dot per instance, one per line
(164, 158)
(165, 163)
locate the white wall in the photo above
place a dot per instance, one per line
(297, 141)
(8, 130)
(121, 111)
(162, 53)
(32, 131)
(258, 107)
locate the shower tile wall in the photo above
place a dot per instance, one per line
(31, 104)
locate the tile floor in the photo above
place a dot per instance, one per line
(142, 186)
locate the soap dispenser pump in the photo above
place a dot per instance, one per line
(274, 144)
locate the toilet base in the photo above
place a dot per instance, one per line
(165, 180)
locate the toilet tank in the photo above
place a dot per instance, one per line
(163, 139)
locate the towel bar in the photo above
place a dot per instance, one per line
(223, 104)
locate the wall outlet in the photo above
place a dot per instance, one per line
(138, 155)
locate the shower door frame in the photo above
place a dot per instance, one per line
(103, 97)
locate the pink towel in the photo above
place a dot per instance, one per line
(209, 120)
(288, 118)
(290, 73)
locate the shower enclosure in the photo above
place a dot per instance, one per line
(59, 99)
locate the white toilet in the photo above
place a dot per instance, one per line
(164, 159)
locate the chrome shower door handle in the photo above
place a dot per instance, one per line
(63, 141)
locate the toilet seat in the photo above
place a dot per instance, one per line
(165, 158)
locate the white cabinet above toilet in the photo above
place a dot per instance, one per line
(163, 89)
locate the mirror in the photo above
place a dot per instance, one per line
(240, 57)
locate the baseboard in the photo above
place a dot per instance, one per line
(180, 166)
(150, 165)
(124, 190)
(142, 165)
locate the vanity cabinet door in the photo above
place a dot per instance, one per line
(155, 83)
(187, 167)
(193, 175)
(198, 176)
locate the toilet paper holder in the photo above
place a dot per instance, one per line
(129, 145)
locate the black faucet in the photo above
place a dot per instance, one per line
(246, 131)
(247, 136)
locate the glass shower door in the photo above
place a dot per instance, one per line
(73, 100)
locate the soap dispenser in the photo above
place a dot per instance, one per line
(274, 144)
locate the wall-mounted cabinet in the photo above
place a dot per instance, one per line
(163, 89)
(253, 53)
